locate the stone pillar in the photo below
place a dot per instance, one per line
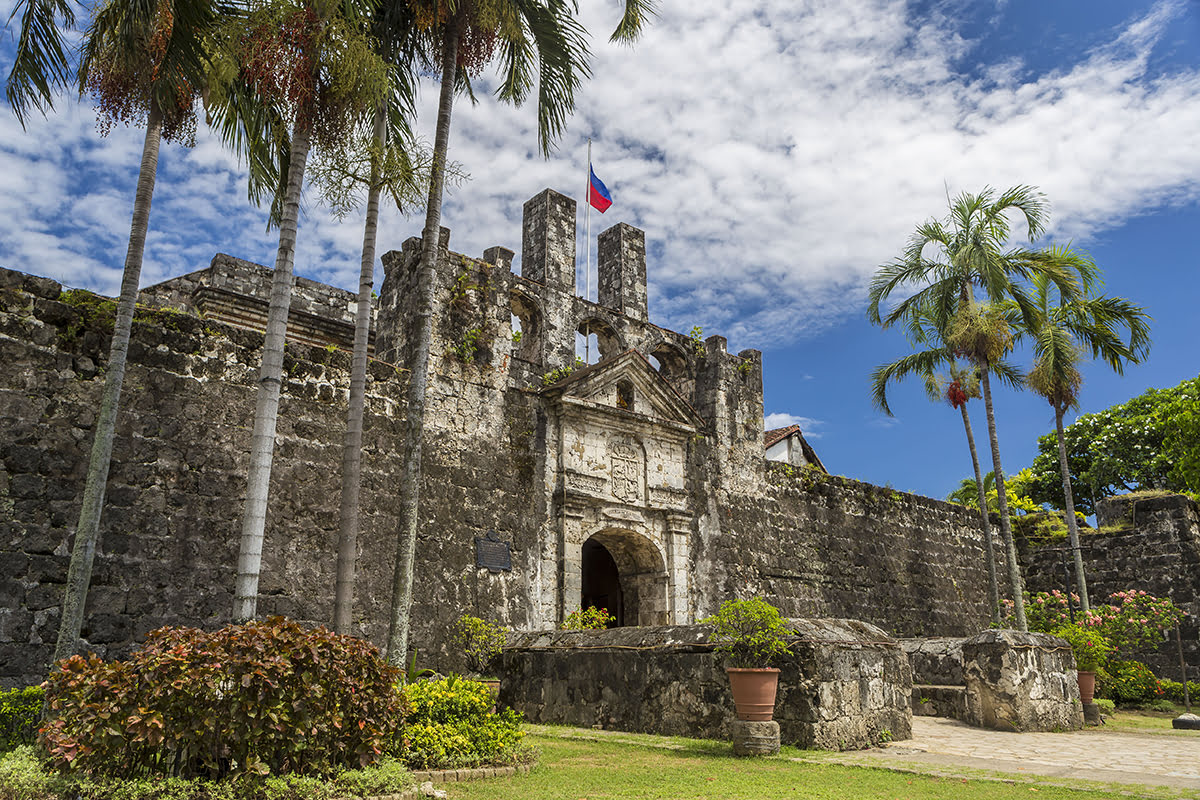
(678, 530)
(621, 270)
(548, 241)
(500, 256)
(1021, 682)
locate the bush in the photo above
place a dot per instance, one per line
(480, 640)
(1129, 682)
(20, 710)
(588, 619)
(749, 632)
(22, 777)
(450, 724)
(1173, 690)
(1107, 707)
(1091, 648)
(261, 698)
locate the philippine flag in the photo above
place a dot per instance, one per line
(598, 194)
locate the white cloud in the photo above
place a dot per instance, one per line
(809, 426)
(775, 152)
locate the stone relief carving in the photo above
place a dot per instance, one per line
(585, 483)
(626, 471)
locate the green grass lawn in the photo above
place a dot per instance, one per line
(1156, 722)
(633, 766)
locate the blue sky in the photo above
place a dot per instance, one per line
(775, 152)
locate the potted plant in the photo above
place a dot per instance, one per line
(1091, 650)
(750, 634)
(481, 642)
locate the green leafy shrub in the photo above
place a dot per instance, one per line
(450, 724)
(1129, 682)
(258, 699)
(480, 640)
(749, 632)
(587, 619)
(1091, 648)
(20, 710)
(389, 776)
(1173, 690)
(22, 777)
(1107, 707)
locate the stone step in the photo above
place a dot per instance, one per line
(932, 700)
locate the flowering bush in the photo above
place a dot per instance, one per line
(1129, 682)
(1091, 648)
(1134, 620)
(588, 619)
(1131, 620)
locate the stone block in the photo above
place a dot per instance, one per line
(1021, 682)
(755, 738)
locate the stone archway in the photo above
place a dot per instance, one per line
(638, 583)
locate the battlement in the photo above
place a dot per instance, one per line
(501, 330)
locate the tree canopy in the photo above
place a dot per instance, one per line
(1151, 441)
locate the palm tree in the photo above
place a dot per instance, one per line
(1062, 333)
(971, 243)
(390, 166)
(963, 385)
(311, 61)
(528, 32)
(143, 63)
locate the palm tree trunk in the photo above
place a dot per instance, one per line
(87, 531)
(343, 600)
(410, 482)
(1014, 569)
(270, 382)
(985, 519)
(1072, 524)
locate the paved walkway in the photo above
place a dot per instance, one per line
(1090, 755)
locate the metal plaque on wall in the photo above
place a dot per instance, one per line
(492, 554)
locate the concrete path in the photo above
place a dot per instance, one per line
(1089, 755)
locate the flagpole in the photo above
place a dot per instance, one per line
(587, 244)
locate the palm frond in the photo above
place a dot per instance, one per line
(637, 15)
(41, 64)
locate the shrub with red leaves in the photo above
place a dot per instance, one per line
(254, 699)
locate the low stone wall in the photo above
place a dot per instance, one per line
(1021, 682)
(846, 686)
(935, 660)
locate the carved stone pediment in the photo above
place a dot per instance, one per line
(627, 385)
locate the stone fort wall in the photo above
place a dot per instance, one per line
(498, 440)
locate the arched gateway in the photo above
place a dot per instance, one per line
(623, 515)
(625, 573)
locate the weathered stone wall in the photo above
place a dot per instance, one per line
(169, 533)
(236, 292)
(1147, 543)
(1021, 682)
(830, 546)
(846, 685)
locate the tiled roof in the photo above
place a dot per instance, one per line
(777, 435)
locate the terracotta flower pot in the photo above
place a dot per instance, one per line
(1087, 685)
(754, 692)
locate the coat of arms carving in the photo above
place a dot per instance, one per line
(626, 472)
